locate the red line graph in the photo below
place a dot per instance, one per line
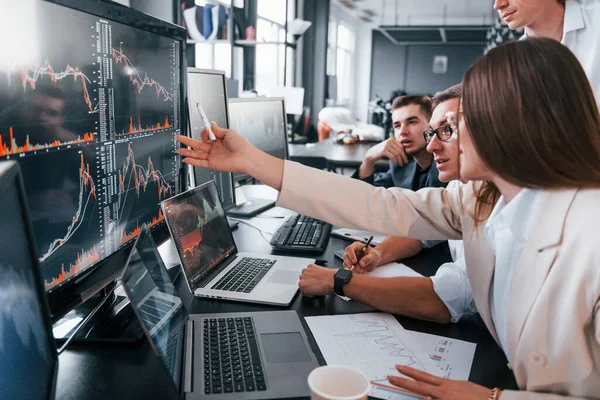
(129, 236)
(30, 76)
(11, 147)
(87, 191)
(84, 260)
(191, 240)
(133, 128)
(142, 176)
(135, 78)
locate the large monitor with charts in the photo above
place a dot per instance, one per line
(263, 122)
(28, 360)
(207, 89)
(91, 100)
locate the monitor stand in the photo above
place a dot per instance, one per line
(251, 207)
(114, 322)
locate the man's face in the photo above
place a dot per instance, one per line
(47, 111)
(445, 153)
(518, 14)
(409, 125)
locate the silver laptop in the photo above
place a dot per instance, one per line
(210, 259)
(260, 355)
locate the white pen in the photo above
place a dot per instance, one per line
(211, 135)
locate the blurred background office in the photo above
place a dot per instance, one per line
(349, 57)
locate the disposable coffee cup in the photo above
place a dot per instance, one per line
(338, 382)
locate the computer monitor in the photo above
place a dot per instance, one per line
(28, 360)
(207, 88)
(263, 122)
(90, 103)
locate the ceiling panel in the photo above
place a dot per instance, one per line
(425, 12)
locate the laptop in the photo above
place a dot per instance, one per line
(28, 358)
(255, 355)
(211, 263)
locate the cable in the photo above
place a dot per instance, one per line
(82, 324)
(255, 227)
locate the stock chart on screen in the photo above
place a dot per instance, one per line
(90, 108)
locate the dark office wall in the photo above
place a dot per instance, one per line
(314, 54)
(411, 67)
(162, 9)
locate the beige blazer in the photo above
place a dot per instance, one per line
(554, 316)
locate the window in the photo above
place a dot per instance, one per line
(340, 59)
(271, 51)
(214, 56)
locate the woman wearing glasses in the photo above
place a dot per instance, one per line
(530, 234)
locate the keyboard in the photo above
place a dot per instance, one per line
(231, 359)
(171, 353)
(302, 234)
(245, 275)
(154, 309)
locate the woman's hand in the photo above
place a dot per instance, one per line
(230, 152)
(428, 385)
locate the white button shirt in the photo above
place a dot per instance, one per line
(581, 34)
(451, 282)
(506, 231)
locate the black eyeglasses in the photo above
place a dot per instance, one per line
(445, 134)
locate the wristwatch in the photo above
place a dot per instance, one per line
(341, 277)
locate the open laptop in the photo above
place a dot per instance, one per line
(28, 359)
(210, 259)
(257, 355)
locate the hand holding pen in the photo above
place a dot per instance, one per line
(361, 253)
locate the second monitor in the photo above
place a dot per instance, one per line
(263, 122)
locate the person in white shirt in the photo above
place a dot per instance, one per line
(445, 297)
(528, 217)
(574, 23)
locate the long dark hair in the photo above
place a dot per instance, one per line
(533, 118)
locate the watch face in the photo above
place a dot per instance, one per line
(343, 274)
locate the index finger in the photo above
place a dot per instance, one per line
(351, 254)
(419, 375)
(193, 143)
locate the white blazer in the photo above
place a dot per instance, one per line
(554, 316)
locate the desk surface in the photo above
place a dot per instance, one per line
(133, 371)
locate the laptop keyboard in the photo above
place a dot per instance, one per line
(245, 275)
(171, 353)
(153, 309)
(231, 358)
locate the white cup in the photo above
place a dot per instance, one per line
(337, 382)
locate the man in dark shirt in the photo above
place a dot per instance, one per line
(411, 166)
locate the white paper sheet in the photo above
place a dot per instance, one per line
(393, 269)
(354, 235)
(454, 357)
(373, 343)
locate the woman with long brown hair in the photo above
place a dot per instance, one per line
(529, 126)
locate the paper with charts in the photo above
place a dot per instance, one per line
(373, 343)
(454, 357)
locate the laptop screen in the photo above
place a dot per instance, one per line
(27, 352)
(156, 302)
(200, 231)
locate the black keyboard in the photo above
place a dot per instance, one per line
(231, 358)
(245, 275)
(301, 233)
